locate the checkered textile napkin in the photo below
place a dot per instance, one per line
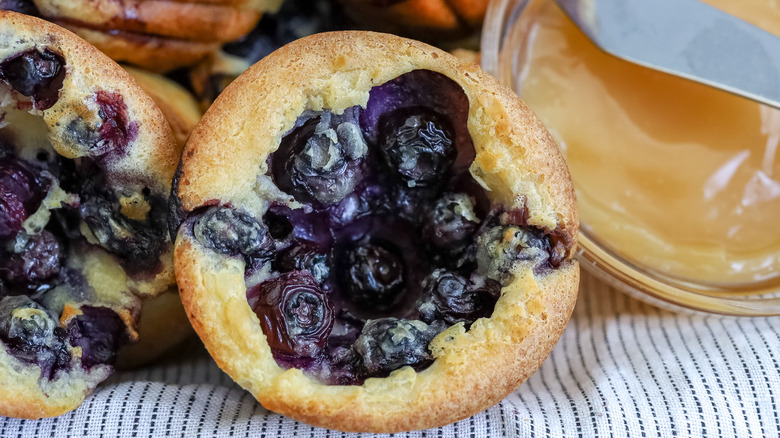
(622, 368)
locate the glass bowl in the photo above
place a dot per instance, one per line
(719, 276)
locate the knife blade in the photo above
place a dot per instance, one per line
(685, 38)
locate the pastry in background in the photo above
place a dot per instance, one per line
(178, 105)
(435, 21)
(295, 19)
(374, 236)
(86, 162)
(158, 35)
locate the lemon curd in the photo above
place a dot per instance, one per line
(671, 175)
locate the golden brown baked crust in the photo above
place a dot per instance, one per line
(157, 54)
(189, 21)
(146, 163)
(434, 20)
(255, 5)
(515, 157)
(179, 107)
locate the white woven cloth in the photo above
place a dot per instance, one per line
(622, 368)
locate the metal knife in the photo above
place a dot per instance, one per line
(685, 38)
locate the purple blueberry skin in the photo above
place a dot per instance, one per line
(39, 261)
(117, 130)
(138, 244)
(452, 298)
(422, 88)
(418, 145)
(37, 75)
(21, 193)
(372, 276)
(294, 314)
(320, 161)
(382, 351)
(100, 332)
(38, 340)
(232, 232)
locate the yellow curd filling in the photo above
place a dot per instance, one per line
(672, 175)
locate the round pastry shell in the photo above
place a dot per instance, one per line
(515, 157)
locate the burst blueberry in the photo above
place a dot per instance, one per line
(452, 298)
(39, 261)
(387, 344)
(294, 314)
(320, 161)
(418, 144)
(36, 74)
(372, 274)
(33, 335)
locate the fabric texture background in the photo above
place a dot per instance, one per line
(622, 368)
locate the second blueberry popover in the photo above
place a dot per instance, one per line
(86, 161)
(373, 236)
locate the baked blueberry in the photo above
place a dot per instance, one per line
(321, 159)
(422, 243)
(35, 74)
(453, 298)
(233, 233)
(449, 223)
(418, 144)
(304, 255)
(38, 260)
(388, 344)
(22, 193)
(294, 313)
(33, 335)
(372, 275)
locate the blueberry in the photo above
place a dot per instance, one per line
(278, 224)
(294, 314)
(12, 213)
(137, 243)
(38, 75)
(100, 332)
(418, 144)
(232, 232)
(39, 261)
(320, 161)
(372, 274)
(304, 255)
(500, 247)
(388, 344)
(451, 297)
(21, 193)
(33, 335)
(449, 224)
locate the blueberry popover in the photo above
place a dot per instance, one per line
(86, 160)
(373, 236)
